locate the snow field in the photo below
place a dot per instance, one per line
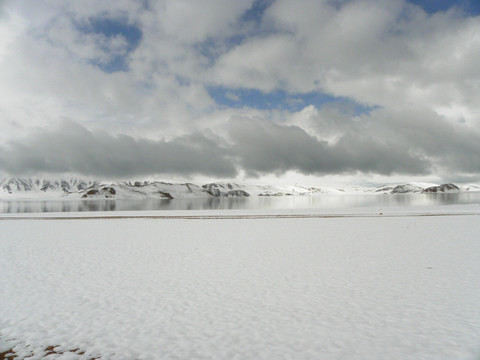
(342, 288)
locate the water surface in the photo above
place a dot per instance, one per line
(284, 202)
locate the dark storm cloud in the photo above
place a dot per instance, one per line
(384, 142)
(453, 146)
(72, 148)
(265, 147)
(446, 144)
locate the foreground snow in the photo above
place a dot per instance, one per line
(324, 288)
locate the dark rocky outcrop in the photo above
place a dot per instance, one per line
(109, 189)
(441, 188)
(406, 188)
(165, 195)
(65, 186)
(224, 190)
(106, 191)
(140, 184)
(14, 185)
(214, 192)
(385, 189)
(47, 185)
(236, 193)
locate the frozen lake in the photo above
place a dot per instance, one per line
(285, 202)
(383, 286)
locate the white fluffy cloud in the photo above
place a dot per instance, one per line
(378, 53)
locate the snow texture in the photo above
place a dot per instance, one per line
(326, 288)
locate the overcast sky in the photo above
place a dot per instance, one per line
(363, 90)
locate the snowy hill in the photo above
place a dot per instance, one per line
(41, 188)
(406, 188)
(141, 190)
(28, 188)
(470, 187)
(442, 188)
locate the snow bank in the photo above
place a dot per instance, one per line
(353, 288)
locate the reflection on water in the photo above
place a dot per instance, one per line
(286, 202)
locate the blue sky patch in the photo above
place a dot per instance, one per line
(111, 28)
(211, 48)
(280, 100)
(471, 7)
(255, 13)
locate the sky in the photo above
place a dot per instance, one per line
(364, 91)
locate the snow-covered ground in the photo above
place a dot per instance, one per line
(384, 286)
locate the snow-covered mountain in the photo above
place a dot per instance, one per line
(39, 188)
(406, 188)
(470, 187)
(419, 188)
(141, 190)
(28, 188)
(442, 188)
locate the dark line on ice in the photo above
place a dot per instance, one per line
(234, 217)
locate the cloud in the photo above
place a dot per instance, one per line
(410, 140)
(413, 74)
(266, 147)
(70, 148)
(307, 142)
(56, 68)
(374, 52)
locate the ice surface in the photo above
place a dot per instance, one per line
(376, 287)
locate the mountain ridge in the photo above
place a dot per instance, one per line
(75, 188)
